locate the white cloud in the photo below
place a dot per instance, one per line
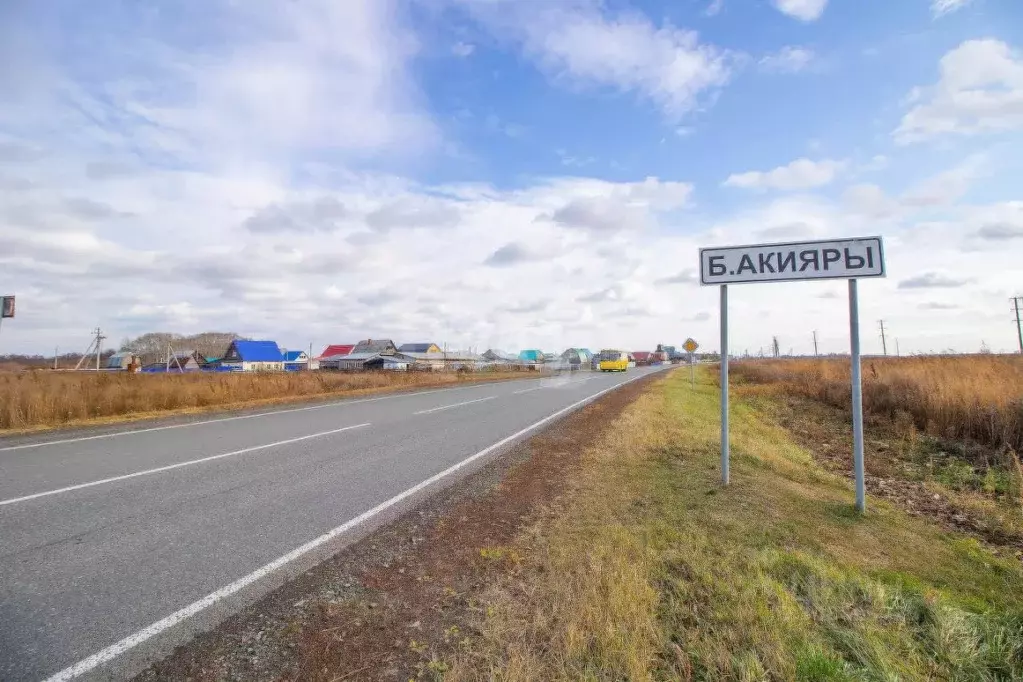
(200, 216)
(980, 91)
(940, 8)
(581, 45)
(946, 187)
(799, 174)
(461, 49)
(714, 8)
(870, 200)
(788, 59)
(804, 10)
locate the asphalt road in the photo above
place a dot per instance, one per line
(117, 544)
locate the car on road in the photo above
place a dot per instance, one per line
(613, 360)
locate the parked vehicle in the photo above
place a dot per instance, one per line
(614, 361)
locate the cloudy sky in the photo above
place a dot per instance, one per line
(505, 173)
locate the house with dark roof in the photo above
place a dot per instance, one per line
(335, 350)
(498, 355)
(253, 356)
(382, 346)
(354, 362)
(419, 348)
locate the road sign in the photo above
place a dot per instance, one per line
(690, 346)
(850, 259)
(831, 259)
(6, 306)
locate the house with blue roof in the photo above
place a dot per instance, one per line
(531, 356)
(253, 356)
(295, 360)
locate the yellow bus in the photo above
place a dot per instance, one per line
(613, 361)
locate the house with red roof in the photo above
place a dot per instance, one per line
(335, 350)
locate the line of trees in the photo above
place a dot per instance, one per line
(153, 346)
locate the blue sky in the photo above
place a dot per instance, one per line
(503, 173)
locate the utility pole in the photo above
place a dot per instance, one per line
(884, 342)
(56, 352)
(897, 353)
(815, 343)
(774, 346)
(1016, 300)
(99, 345)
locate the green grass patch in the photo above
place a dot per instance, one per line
(774, 578)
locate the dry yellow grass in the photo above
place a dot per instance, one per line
(649, 570)
(959, 398)
(46, 399)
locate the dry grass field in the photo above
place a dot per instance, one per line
(975, 398)
(44, 399)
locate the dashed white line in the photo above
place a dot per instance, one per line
(131, 641)
(448, 407)
(157, 470)
(527, 390)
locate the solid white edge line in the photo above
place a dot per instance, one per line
(448, 407)
(131, 641)
(157, 470)
(270, 413)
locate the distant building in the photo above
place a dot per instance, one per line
(497, 355)
(531, 356)
(295, 360)
(578, 357)
(355, 362)
(419, 348)
(336, 349)
(439, 361)
(250, 356)
(382, 346)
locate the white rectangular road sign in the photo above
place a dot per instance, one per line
(832, 259)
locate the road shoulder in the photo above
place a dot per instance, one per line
(389, 605)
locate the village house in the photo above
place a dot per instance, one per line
(253, 356)
(382, 346)
(419, 348)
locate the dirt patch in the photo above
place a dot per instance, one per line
(826, 432)
(400, 603)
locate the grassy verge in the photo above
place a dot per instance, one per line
(40, 400)
(649, 570)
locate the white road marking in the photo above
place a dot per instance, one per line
(340, 403)
(527, 390)
(448, 407)
(157, 470)
(131, 641)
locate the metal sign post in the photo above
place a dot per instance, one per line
(725, 475)
(849, 259)
(690, 347)
(857, 395)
